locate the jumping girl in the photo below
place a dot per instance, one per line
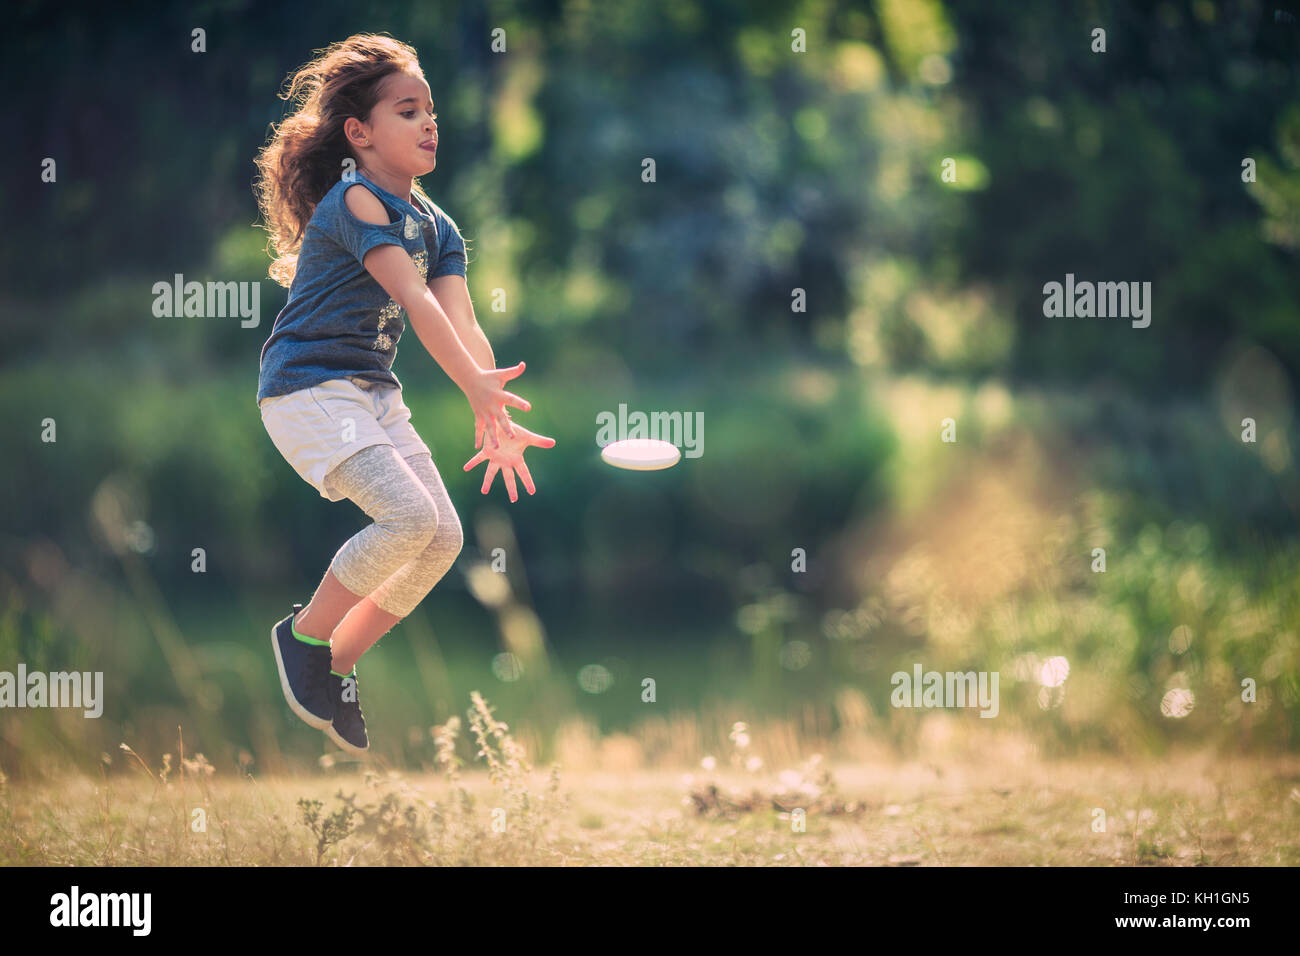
(360, 246)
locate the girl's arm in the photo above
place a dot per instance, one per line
(452, 294)
(393, 269)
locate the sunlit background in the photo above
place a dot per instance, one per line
(776, 171)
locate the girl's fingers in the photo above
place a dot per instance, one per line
(481, 456)
(527, 478)
(541, 441)
(478, 432)
(514, 401)
(508, 373)
(510, 484)
(504, 422)
(493, 467)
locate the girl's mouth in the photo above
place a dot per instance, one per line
(431, 146)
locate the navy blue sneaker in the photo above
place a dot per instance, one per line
(304, 674)
(348, 729)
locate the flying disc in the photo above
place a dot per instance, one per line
(641, 454)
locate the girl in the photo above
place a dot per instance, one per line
(359, 244)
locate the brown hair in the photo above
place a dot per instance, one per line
(304, 158)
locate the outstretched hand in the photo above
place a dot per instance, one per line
(508, 457)
(488, 398)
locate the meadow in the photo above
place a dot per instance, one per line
(1009, 808)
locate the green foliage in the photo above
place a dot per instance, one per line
(333, 829)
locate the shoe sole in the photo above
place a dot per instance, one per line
(305, 715)
(334, 735)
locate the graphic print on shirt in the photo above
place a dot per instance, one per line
(384, 341)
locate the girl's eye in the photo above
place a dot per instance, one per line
(408, 113)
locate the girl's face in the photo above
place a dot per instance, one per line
(401, 137)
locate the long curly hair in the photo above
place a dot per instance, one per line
(304, 158)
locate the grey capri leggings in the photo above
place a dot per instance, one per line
(416, 534)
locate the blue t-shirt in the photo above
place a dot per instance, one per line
(338, 321)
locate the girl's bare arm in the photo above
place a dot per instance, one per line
(452, 294)
(393, 269)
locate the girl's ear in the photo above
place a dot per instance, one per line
(355, 132)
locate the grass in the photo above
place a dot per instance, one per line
(1184, 810)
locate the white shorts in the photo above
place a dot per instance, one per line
(317, 428)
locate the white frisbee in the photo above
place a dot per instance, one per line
(641, 454)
